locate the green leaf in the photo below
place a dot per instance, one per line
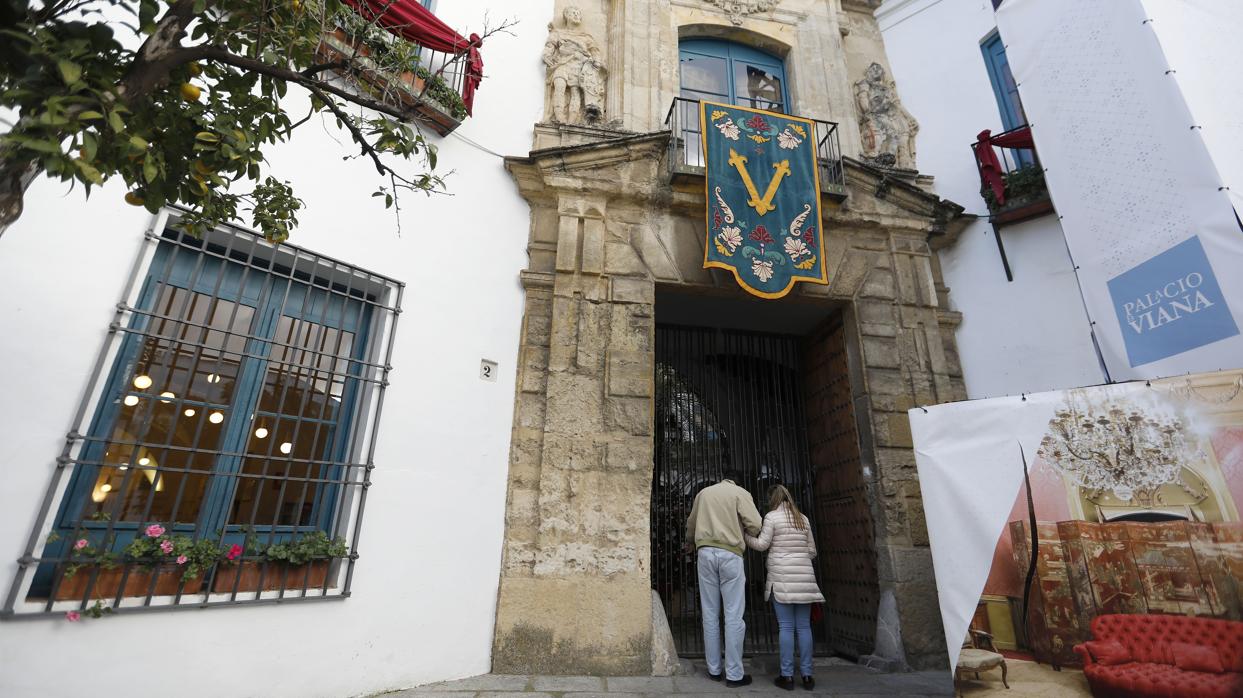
(90, 144)
(90, 115)
(90, 173)
(149, 170)
(206, 137)
(71, 72)
(41, 146)
(138, 142)
(115, 121)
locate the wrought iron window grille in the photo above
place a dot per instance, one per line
(222, 451)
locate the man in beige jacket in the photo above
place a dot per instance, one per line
(719, 516)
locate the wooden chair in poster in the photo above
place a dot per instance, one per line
(978, 654)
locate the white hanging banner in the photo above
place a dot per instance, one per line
(1158, 248)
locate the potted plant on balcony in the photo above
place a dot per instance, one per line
(155, 562)
(297, 563)
(1024, 187)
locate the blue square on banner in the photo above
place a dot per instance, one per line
(1170, 304)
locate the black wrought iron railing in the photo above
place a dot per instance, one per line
(404, 73)
(1021, 174)
(686, 155)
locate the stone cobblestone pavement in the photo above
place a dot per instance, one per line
(840, 680)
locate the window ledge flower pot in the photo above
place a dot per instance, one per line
(168, 582)
(246, 576)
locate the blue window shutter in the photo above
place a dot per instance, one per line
(1004, 88)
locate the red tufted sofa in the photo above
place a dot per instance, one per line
(1151, 669)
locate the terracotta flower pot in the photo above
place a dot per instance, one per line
(137, 583)
(246, 576)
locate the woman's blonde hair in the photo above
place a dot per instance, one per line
(777, 495)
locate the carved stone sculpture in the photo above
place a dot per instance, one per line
(738, 9)
(576, 74)
(888, 131)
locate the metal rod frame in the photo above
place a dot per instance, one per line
(363, 379)
(723, 396)
(686, 152)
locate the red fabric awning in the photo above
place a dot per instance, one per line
(411, 21)
(991, 174)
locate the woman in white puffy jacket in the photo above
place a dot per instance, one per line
(790, 582)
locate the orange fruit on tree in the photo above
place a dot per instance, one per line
(133, 198)
(190, 93)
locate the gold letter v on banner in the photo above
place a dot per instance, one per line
(765, 204)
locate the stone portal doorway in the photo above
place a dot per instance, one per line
(722, 396)
(768, 385)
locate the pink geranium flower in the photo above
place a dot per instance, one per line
(73, 616)
(80, 544)
(155, 531)
(166, 546)
(181, 559)
(234, 552)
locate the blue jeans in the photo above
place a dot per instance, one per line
(722, 582)
(791, 618)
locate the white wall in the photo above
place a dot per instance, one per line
(424, 589)
(1023, 336)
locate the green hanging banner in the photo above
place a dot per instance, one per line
(763, 198)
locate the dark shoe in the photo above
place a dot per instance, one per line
(808, 683)
(785, 682)
(716, 677)
(744, 681)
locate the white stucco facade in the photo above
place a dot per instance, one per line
(1025, 335)
(424, 590)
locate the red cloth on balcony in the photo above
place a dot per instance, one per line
(990, 167)
(411, 21)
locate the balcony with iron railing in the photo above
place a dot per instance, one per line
(1011, 177)
(402, 73)
(686, 157)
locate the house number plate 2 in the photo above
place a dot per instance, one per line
(487, 370)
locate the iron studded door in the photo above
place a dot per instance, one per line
(722, 396)
(844, 530)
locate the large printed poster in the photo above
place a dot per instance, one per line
(1147, 219)
(1135, 494)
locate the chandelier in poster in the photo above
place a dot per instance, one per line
(1135, 492)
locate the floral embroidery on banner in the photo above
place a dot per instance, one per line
(728, 129)
(758, 123)
(762, 269)
(796, 248)
(786, 139)
(725, 209)
(729, 239)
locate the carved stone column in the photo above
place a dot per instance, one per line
(575, 594)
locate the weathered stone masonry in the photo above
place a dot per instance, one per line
(607, 227)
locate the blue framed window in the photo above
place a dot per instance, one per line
(1004, 89)
(243, 381)
(1006, 92)
(723, 71)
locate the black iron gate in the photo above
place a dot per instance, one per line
(723, 395)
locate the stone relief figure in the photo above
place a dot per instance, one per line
(888, 130)
(576, 74)
(739, 9)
